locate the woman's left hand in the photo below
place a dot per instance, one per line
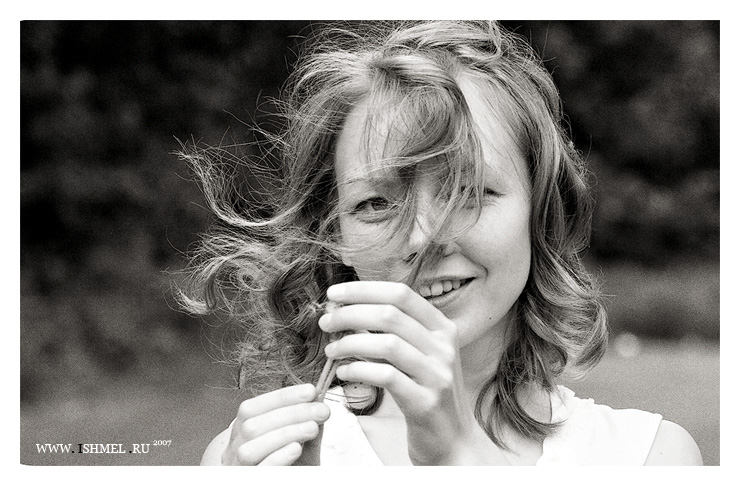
(415, 356)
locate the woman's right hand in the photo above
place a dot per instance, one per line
(279, 428)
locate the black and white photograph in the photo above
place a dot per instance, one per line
(370, 242)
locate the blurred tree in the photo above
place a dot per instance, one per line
(643, 104)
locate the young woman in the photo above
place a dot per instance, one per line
(431, 194)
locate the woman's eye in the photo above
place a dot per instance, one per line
(487, 193)
(374, 209)
(372, 205)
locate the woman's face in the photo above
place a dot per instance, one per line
(482, 271)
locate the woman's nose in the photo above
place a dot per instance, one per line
(430, 213)
(418, 235)
(423, 231)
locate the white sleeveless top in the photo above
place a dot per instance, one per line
(590, 434)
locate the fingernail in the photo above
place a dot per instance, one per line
(306, 391)
(324, 321)
(341, 369)
(309, 428)
(335, 292)
(320, 411)
(330, 348)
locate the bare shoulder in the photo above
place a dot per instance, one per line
(673, 446)
(212, 454)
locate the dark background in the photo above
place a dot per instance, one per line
(107, 211)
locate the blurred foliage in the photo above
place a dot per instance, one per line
(106, 208)
(643, 105)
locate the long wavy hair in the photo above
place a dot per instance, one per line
(268, 266)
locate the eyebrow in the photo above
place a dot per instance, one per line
(356, 179)
(387, 185)
(381, 179)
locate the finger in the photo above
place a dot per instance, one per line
(393, 293)
(275, 419)
(382, 318)
(407, 393)
(280, 398)
(389, 348)
(256, 450)
(285, 456)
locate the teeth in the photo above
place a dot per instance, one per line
(439, 288)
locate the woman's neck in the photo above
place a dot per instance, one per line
(480, 358)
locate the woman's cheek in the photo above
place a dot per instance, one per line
(373, 266)
(371, 260)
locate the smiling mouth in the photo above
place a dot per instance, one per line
(442, 287)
